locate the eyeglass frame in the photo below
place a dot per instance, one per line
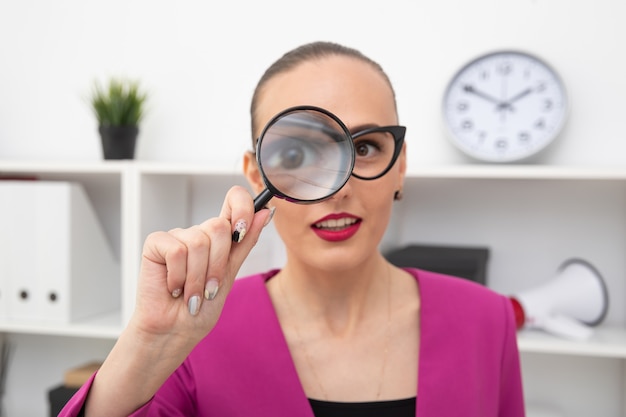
(397, 131)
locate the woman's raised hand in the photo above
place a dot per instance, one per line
(186, 274)
(185, 277)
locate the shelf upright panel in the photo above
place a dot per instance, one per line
(131, 244)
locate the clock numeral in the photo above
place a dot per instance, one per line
(505, 68)
(481, 135)
(547, 105)
(523, 137)
(462, 106)
(540, 124)
(467, 125)
(540, 87)
(484, 75)
(501, 144)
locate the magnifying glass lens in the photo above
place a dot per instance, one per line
(305, 155)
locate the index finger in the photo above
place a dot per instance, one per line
(238, 210)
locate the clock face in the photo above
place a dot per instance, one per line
(505, 106)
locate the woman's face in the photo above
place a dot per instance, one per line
(345, 230)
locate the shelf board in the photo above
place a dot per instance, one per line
(113, 167)
(478, 171)
(105, 326)
(65, 167)
(148, 167)
(518, 172)
(605, 342)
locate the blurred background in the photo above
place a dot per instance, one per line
(200, 62)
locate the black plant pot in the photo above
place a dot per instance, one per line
(118, 142)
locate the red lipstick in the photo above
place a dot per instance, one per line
(336, 227)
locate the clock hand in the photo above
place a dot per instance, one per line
(508, 103)
(500, 105)
(520, 95)
(468, 88)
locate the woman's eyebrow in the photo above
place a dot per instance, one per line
(360, 128)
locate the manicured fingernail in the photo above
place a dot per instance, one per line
(241, 227)
(194, 305)
(177, 292)
(269, 218)
(212, 286)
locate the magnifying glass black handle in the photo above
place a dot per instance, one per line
(262, 199)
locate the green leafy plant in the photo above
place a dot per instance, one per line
(121, 103)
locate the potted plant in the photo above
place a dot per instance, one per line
(119, 107)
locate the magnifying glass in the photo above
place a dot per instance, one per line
(305, 155)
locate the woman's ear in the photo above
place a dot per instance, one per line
(402, 165)
(252, 172)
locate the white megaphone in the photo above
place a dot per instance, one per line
(568, 305)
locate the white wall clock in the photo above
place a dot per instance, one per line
(504, 106)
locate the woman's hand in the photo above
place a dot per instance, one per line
(185, 277)
(186, 274)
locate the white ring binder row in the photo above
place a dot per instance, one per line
(56, 264)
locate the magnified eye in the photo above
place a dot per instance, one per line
(292, 157)
(292, 154)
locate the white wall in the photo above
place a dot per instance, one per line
(201, 60)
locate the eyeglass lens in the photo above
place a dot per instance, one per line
(374, 152)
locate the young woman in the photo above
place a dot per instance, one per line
(337, 330)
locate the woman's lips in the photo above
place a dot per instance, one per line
(335, 228)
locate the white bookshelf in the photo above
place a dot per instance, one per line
(532, 217)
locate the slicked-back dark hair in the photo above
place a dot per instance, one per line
(306, 53)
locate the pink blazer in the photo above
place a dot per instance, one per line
(468, 360)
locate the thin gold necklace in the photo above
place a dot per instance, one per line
(306, 352)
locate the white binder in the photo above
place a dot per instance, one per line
(60, 265)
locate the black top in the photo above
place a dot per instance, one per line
(393, 408)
